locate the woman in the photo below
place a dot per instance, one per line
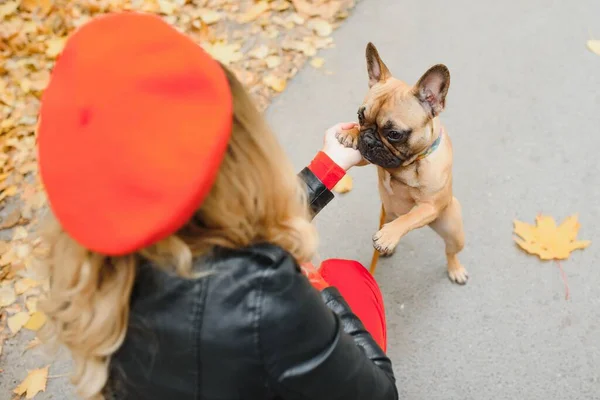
(178, 232)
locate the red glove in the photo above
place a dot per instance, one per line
(314, 276)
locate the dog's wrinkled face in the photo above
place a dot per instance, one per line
(395, 117)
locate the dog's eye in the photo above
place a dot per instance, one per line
(396, 136)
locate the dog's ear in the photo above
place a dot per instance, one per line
(432, 88)
(378, 72)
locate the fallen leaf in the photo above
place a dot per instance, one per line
(317, 62)
(7, 296)
(209, 17)
(325, 10)
(275, 83)
(547, 240)
(167, 7)
(11, 219)
(273, 61)
(279, 5)
(8, 192)
(36, 321)
(16, 322)
(19, 233)
(344, 185)
(8, 8)
(260, 52)
(225, 53)
(303, 47)
(253, 12)
(320, 26)
(55, 46)
(594, 46)
(23, 250)
(23, 285)
(35, 342)
(34, 383)
(44, 6)
(31, 304)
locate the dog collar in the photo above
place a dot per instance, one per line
(433, 146)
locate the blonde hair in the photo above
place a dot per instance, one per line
(256, 198)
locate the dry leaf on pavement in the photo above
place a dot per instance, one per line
(273, 61)
(344, 185)
(10, 220)
(324, 10)
(225, 53)
(594, 46)
(275, 83)
(31, 304)
(320, 26)
(7, 296)
(34, 383)
(23, 285)
(317, 62)
(550, 242)
(254, 12)
(55, 46)
(210, 17)
(17, 321)
(36, 321)
(547, 240)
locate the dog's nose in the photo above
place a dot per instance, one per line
(369, 139)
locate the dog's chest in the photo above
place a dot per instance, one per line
(391, 186)
(401, 181)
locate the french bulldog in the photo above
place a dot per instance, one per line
(400, 132)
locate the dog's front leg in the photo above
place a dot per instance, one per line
(388, 237)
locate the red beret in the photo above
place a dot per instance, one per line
(133, 127)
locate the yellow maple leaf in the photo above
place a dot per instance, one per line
(34, 383)
(548, 241)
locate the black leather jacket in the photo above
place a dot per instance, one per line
(254, 328)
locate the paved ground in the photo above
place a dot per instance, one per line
(523, 113)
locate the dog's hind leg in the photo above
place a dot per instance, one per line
(449, 226)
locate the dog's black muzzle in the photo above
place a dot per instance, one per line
(375, 151)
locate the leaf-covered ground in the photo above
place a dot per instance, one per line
(263, 42)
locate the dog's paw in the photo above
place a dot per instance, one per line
(386, 240)
(387, 255)
(348, 138)
(458, 274)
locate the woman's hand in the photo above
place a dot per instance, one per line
(343, 156)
